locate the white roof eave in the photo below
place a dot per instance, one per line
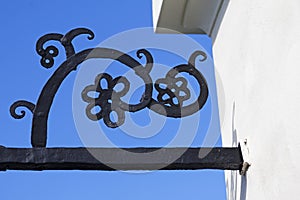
(188, 16)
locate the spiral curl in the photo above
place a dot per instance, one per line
(49, 53)
(30, 106)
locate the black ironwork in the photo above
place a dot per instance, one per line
(82, 159)
(172, 93)
(108, 99)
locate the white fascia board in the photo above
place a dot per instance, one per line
(188, 16)
(156, 8)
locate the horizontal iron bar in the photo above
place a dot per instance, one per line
(120, 159)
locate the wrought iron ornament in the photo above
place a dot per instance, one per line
(172, 90)
(172, 94)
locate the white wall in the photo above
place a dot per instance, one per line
(257, 57)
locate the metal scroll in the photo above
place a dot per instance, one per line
(172, 90)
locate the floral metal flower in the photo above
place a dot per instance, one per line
(106, 99)
(172, 91)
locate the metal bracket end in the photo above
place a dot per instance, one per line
(246, 158)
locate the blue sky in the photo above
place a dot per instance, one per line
(22, 77)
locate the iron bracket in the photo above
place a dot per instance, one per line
(246, 157)
(109, 100)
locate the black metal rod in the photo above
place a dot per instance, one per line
(120, 159)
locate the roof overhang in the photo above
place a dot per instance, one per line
(188, 16)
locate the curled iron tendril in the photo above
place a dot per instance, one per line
(49, 53)
(193, 57)
(149, 61)
(30, 106)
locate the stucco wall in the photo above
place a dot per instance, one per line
(257, 59)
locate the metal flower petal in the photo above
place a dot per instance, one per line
(93, 113)
(120, 81)
(99, 83)
(114, 121)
